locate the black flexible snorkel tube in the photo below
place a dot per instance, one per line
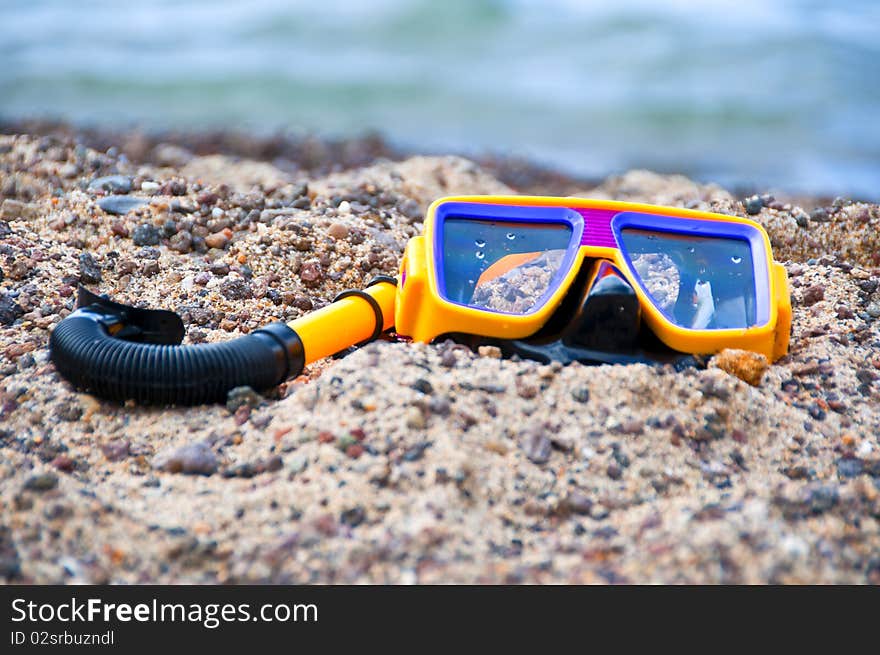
(120, 352)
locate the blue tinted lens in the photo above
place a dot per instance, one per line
(698, 282)
(503, 266)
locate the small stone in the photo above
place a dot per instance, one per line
(64, 463)
(89, 271)
(338, 231)
(111, 183)
(631, 426)
(873, 310)
(115, 450)
(16, 350)
(415, 419)
(181, 242)
(753, 205)
(219, 268)
(581, 394)
(813, 294)
(614, 471)
(563, 443)
(746, 365)
(311, 274)
(145, 235)
(448, 359)
(423, 386)
(10, 310)
(69, 410)
(353, 517)
(217, 240)
(492, 352)
(68, 171)
(151, 268)
(819, 215)
(536, 446)
(197, 458)
(121, 205)
(41, 482)
(849, 467)
(242, 397)
(236, 289)
(578, 502)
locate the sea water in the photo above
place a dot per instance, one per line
(779, 94)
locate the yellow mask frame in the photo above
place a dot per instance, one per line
(422, 313)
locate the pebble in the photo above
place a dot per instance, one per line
(64, 463)
(849, 467)
(614, 471)
(115, 450)
(89, 271)
(423, 386)
(353, 517)
(41, 482)
(111, 183)
(121, 205)
(746, 365)
(236, 289)
(338, 231)
(9, 310)
(311, 274)
(145, 235)
(753, 205)
(813, 294)
(181, 242)
(415, 419)
(578, 502)
(217, 240)
(193, 459)
(581, 394)
(536, 446)
(873, 310)
(242, 397)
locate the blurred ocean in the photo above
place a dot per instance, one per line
(780, 94)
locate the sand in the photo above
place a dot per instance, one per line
(409, 463)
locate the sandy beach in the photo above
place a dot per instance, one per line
(406, 463)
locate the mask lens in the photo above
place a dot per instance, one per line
(510, 267)
(698, 282)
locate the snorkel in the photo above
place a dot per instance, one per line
(564, 279)
(120, 352)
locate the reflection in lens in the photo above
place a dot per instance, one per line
(502, 266)
(515, 283)
(660, 277)
(698, 282)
